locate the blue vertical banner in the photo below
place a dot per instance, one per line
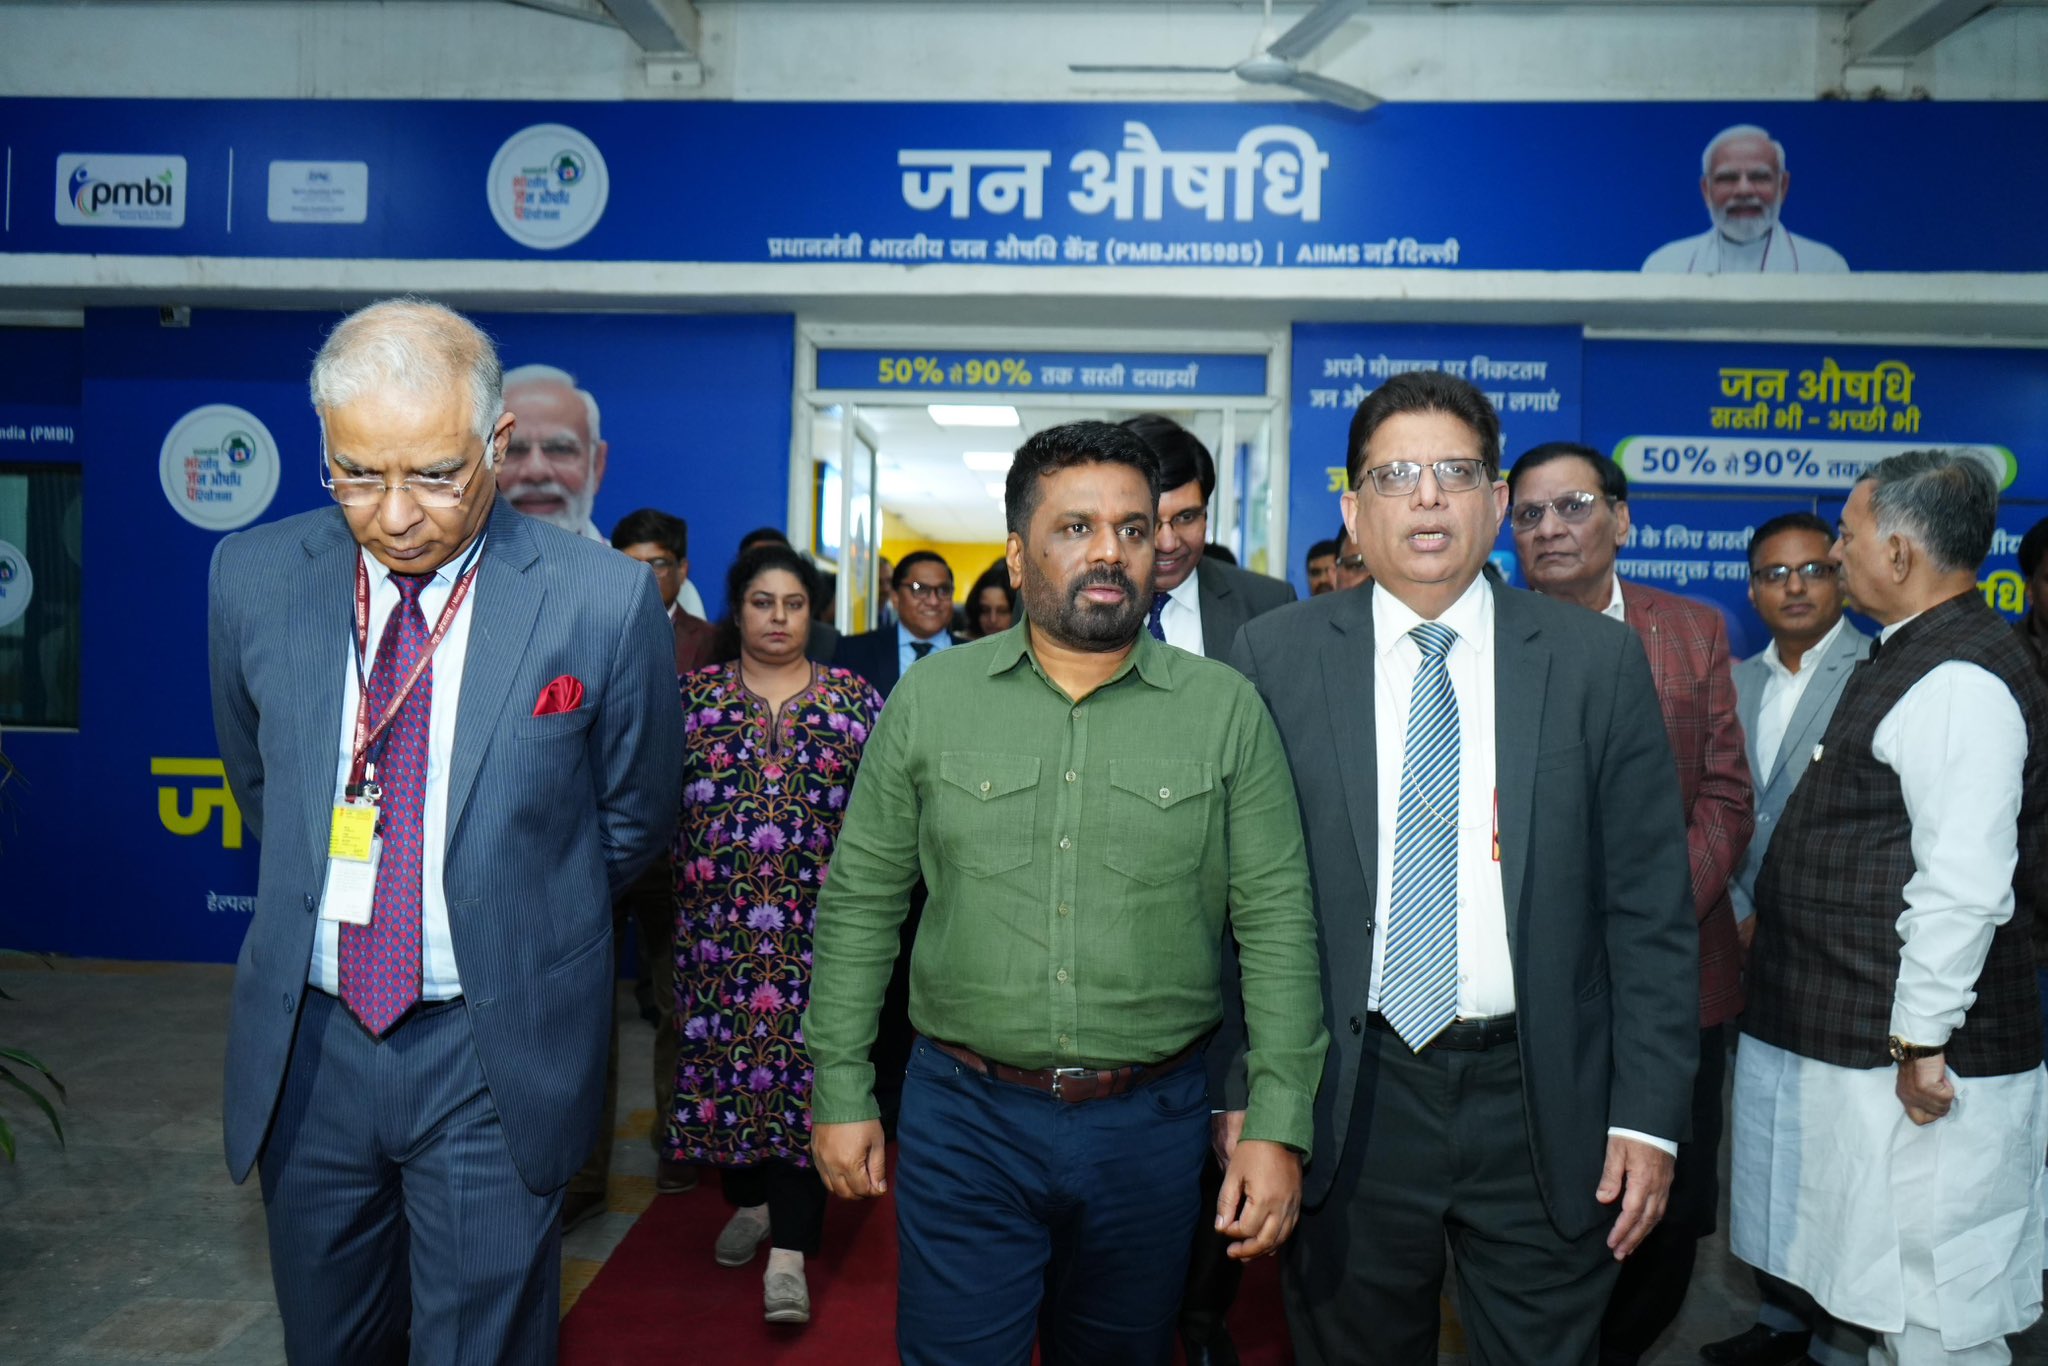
(124, 841)
(1718, 437)
(1530, 374)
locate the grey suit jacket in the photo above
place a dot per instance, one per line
(1809, 722)
(1594, 872)
(1230, 597)
(549, 817)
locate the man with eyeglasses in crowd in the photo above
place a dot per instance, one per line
(1510, 966)
(1570, 515)
(1349, 569)
(1785, 696)
(1198, 605)
(921, 591)
(455, 731)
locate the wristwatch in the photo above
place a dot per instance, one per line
(1907, 1052)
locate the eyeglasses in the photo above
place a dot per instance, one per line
(922, 591)
(1354, 563)
(1813, 571)
(1188, 518)
(429, 491)
(1571, 508)
(1398, 478)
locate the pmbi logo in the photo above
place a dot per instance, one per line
(7, 570)
(103, 191)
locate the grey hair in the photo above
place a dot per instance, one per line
(414, 345)
(1740, 130)
(548, 374)
(1945, 502)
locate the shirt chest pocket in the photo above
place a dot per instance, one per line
(1156, 827)
(986, 810)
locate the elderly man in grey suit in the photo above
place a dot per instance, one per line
(1785, 696)
(1510, 965)
(456, 731)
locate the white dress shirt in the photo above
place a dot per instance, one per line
(690, 600)
(1181, 618)
(1486, 977)
(1486, 974)
(1780, 698)
(439, 979)
(1615, 607)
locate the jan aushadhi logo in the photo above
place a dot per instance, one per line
(96, 190)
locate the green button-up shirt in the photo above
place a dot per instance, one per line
(1082, 859)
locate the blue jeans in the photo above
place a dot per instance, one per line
(1017, 1213)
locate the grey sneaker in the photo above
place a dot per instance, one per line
(786, 1297)
(742, 1236)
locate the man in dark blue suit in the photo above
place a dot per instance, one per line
(921, 591)
(456, 732)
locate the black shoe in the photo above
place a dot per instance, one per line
(1208, 1346)
(1757, 1346)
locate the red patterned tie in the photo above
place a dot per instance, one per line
(379, 963)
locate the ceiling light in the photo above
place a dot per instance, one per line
(998, 460)
(973, 414)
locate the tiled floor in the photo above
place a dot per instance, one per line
(130, 1244)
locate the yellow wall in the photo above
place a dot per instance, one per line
(965, 559)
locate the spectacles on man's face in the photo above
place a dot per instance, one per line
(1351, 563)
(1187, 519)
(1813, 571)
(1571, 509)
(927, 592)
(1399, 478)
(368, 490)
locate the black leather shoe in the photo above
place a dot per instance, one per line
(580, 1207)
(1208, 1346)
(1757, 1346)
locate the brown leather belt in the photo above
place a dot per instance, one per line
(1072, 1085)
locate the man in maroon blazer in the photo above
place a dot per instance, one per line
(662, 543)
(1570, 515)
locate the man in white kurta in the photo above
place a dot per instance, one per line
(1908, 1198)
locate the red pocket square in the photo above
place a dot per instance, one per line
(564, 694)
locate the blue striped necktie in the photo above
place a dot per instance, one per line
(1419, 972)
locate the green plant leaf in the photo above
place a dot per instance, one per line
(38, 1097)
(17, 1055)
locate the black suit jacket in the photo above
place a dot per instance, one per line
(1230, 597)
(1594, 872)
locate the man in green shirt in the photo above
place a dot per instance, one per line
(1084, 803)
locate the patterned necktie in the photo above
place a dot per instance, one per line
(379, 963)
(1419, 974)
(1155, 625)
(919, 649)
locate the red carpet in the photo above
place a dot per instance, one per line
(660, 1297)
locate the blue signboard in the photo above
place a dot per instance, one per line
(1222, 186)
(1531, 375)
(1146, 375)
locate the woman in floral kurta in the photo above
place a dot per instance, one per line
(771, 743)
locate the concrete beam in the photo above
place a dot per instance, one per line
(1898, 30)
(657, 25)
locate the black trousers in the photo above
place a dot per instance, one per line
(1651, 1288)
(1439, 1150)
(795, 1198)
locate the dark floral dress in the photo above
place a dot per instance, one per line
(760, 814)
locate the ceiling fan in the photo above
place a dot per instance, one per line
(1277, 62)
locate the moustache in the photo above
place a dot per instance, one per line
(1103, 578)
